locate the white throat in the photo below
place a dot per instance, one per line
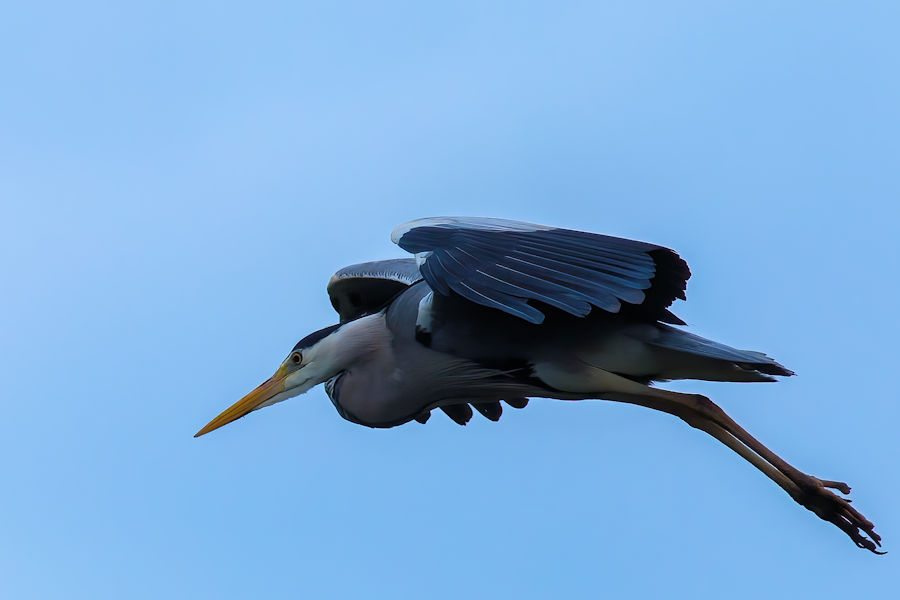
(350, 344)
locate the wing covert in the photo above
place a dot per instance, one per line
(505, 264)
(366, 287)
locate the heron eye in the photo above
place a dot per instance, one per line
(296, 358)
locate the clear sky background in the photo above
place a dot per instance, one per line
(179, 180)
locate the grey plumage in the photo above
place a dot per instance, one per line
(504, 264)
(359, 289)
(493, 311)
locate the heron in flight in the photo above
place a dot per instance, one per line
(492, 311)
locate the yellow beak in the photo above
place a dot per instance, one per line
(273, 386)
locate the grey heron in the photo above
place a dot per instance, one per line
(492, 311)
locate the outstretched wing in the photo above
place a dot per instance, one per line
(367, 287)
(503, 264)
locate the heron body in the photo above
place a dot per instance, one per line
(397, 373)
(493, 311)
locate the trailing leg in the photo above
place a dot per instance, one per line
(813, 493)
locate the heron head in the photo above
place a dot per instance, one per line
(307, 365)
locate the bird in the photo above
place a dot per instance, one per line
(493, 311)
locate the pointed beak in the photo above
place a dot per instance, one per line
(255, 399)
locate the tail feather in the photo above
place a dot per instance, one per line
(726, 364)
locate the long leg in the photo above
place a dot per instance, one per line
(700, 412)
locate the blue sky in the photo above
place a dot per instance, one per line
(178, 181)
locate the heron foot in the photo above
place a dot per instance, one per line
(815, 495)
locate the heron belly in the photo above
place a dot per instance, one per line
(579, 377)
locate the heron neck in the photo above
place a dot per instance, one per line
(350, 344)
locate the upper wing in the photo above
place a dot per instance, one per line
(366, 287)
(503, 264)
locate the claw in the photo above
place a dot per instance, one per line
(834, 509)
